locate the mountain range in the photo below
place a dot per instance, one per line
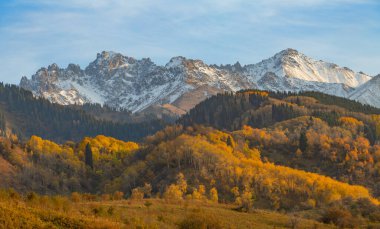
(142, 86)
(311, 154)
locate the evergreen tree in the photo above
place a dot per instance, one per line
(303, 141)
(88, 156)
(2, 124)
(229, 141)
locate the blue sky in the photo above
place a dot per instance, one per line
(36, 33)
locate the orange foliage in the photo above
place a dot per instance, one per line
(351, 123)
(103, 146)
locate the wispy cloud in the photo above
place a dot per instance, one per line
(38, 32)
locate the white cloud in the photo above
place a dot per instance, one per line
(74, 30)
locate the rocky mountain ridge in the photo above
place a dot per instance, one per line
(140, 85)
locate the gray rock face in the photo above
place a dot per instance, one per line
(124, 82)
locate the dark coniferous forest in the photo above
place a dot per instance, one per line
(28, 116)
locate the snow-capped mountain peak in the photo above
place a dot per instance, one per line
(292, 63)
(121, 81)
(108, 62)
(175, 62)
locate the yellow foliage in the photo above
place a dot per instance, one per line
(251, 153)
(173, 193)
(118, 195)
(235, 191)
(247, 130)
(103, 146)
(376, 120)
(231, 169)
(200, 193)
(351, 123)
(247, 199)
(37, 144)
(214, 195)
(137, 194)
(196, 195)
(298, 153)
(181, 182)
(75, 197)
(202, 189)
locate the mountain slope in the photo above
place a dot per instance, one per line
(294, 64)
(120, 81)
(272, 82)
(140, 85)
(368, 93)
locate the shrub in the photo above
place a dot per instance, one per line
(13, 194)
(31, 196)
(118, 195)
(173, 193)
(340, 217)
(200, 221)
(61, 203)
(9, 193)
(106, 197)
(308, 204)
(75, 197)
(137, 194)
(214, 195)
(375, 216)
(89, 197)
(98, 211)
(294, 222)
(111, 210)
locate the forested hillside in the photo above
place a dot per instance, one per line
(194, 164)
(308, 154)
(25, 115)
(310, 131)
(261, 109)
